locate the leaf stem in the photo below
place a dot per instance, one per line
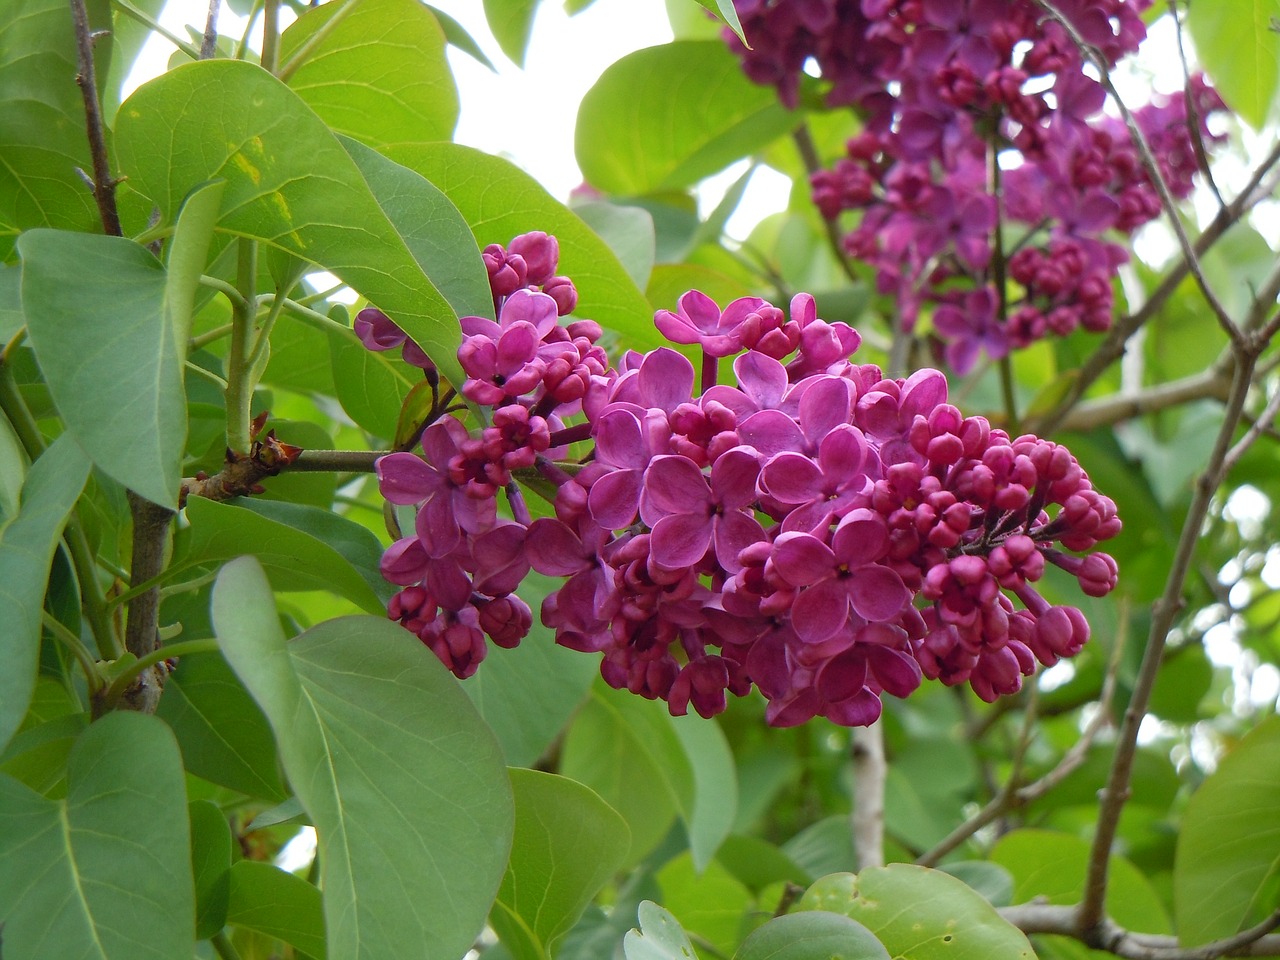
(223, 946)
(290, 66)
(127, 676)
(92, 675)
(239, 369)
(271, 35)
(154, 26)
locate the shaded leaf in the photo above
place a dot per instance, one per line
(660, 937)
(813, 935)
(115, 872)
(920, 914)
(402, 780)
(223, 735)
(95, 309)
(275, 902)
(1228, 858)
(27, 545)
(293, 558)
(567, 844)
(624, 748)
(210, 863)
(715, 786)
(629, 233)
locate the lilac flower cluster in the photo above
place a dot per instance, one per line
(814, 528)
(984, 157)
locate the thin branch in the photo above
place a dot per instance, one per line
(1259, 427)
(1152, 168)
(1116, 792)
(812, 164)
(1193, 114)
(104, 186)
(867, 818)
(1113, 347)
(1012, 797)
(1110, 936)
(209, 42)
(1211, 384)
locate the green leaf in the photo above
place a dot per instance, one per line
(410, 96)
(456, 35)
(527, 695)
(501, 201)
(670, 115)
(568, 843)
(95, 309)
(1052, 865)
(920, 914)
(114, 871)
(715, 786)
(290, 184)
(210, 863)
(625, 749)
(710, 904)
(294, 559)
(660, 937)
(27, 544)
(813, 935)
(275, 902)
(433, 229)
(404, 784)
(756, 864)
(1228, 858)
(727, 14)
(223, 735)
(186, 256)
(629, 233)
(1239, 50)
(511, 22)
(371, 385)
(11, 319)
(42, 129)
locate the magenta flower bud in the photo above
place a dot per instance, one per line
(415, 357)
(506, 620)
(565, 294)
(541, 254)
(377, 331)
(507, 272)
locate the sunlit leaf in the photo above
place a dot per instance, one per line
(1239, 50)
(667, 116)
(377, 73)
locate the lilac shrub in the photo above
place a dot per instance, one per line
(991, 187)
(814, 529)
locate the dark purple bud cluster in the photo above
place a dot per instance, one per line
(814, 529)
(980, 119)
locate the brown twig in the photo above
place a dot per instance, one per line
(209, 42)
(803, 140)
(104, 186)
(1110, 936)
(1113, 347)
(1152, 168)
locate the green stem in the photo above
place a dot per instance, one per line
(209, 375)
(211, 336)
(184, 649)
(257, 359)
(288, 69)
(1010, 400)
(271, 35)
(231, 292)
(239, 376)
(131, 11)
(73, 643)
(223, 946)
(314, 317)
